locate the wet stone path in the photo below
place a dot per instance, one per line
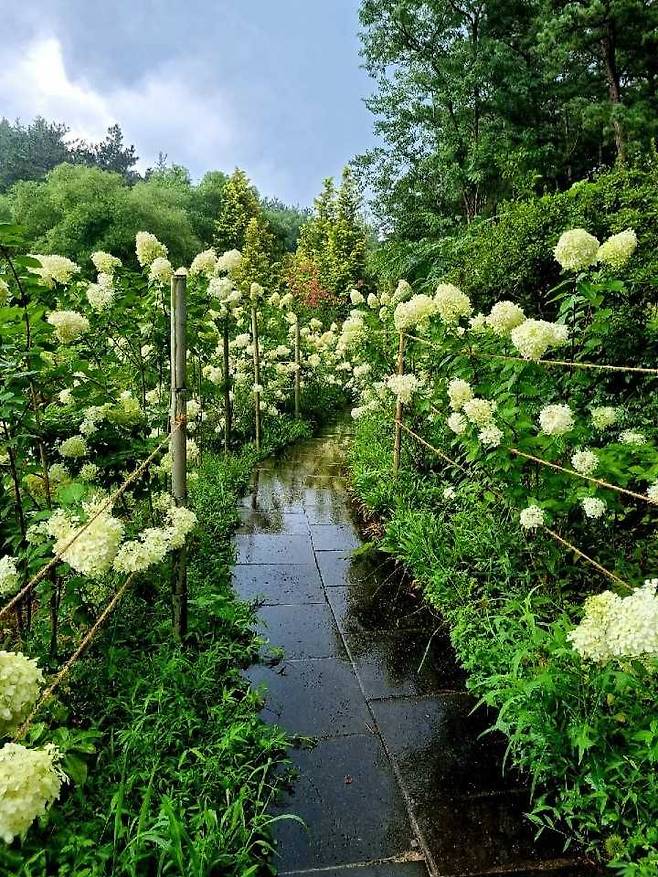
(399, 783)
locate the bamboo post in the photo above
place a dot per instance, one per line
(398, 410)
(228, 407)
(254, 336)
(179, 444)
(298, 371)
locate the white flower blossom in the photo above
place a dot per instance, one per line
(55, 269)
(148, 248)
(403, 386)
(584, 461)
(632, 437)
(618, 249)
(479, 411)
(356, 297)
(490, 436)
(604, 416)
(556, 419)
(204, 263)
(229, 261)
(457, 423)
(30, 780)
(451, 303)
(75, 446)
(532, 517)
(459, 392)
(409, 314)
(94, 549)
(593, 507)
(68, 325)
(160, 270)
(505, 316)
(8, 575)
(576, 249)
(105, 263)
(20, 685)
(532, 338)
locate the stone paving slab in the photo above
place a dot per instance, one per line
(437, 744)
(367, 605)
(318, 698)
(384, 869)
(400, 663)
(336, 513)
(279, 583)
(302, 631)
(342, 537)
(336, 568)
(347, 795)
(275, 522)
(272, 548)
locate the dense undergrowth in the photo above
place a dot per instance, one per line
(185, 767)
(587, 735)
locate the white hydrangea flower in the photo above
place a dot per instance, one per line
(204, 263)
(256, 292)
(75, 446)
(618, 249)
(68, 325)
(477, 324)
(101, 295)
(4, 292)
(30, 780)
(532, 338)
(402, 292)
(457, 423)
(632, 437)
(532, 517)
(619, 628)
(604, 416)
(229, 261)
(479, 411)
(449, 493)
(160, 270)
(65, 396)
(490, 436)
(286, 301)
(576, 249)
(55, 269)
(8, 575)
(356, 298)
(105, 263)
(403, 386)
(584, 461)
(459, 392)
(93, 551)
(451, 303)
(372, 301)
(20, 685)
(182, 521)
(593, 507)
(88, 472)
(409, 314)
(149, 248)
(652, 492)
(505, 316)
(556, 419)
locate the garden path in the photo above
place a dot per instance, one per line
(400, 784)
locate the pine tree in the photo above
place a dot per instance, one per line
(239, 205)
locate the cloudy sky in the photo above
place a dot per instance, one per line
(271, 85)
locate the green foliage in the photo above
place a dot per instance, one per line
(239, 205)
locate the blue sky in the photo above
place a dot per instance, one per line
(271, 85)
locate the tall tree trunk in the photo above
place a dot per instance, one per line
(609, 49)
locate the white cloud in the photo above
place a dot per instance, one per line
(161, 111)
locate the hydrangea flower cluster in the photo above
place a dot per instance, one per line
(451, 303)
(4, 292)
(532, 517)
(356, 297)
(616, 627)
(93, 551)
(632, 437)
(504, 316)
(100, 295)
(459, 393)
(409, 314)
(20, 685)
(403, 387)
(577, 249)
(533, 338)
(160, 270)
(56, 269)
(105, 263)
(149, 248)
(556, 419)
(75, 446)
(229, 261)
(68, 325)
(604, 416)
(593, 507)
(154, 543)
(8, 575)
(457, 423)
(402, 292)
(479, 411)
(584, 461)
(204, 263)
(618, 249)
(30, 780)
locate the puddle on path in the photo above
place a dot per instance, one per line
(400, 782)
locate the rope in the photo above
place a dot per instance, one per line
(107, 504)
(66, 669)
(573, 472)
(594, 563)
(560, 362)
(431, 447)
(606, 572)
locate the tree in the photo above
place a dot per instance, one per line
(256, 265)
(28, 153)
(285, 223)
(109, 154)
(239, 205)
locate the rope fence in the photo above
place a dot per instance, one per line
(48, 693)
(43, 572)
(559, 362)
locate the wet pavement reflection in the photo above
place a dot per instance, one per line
(401, 781)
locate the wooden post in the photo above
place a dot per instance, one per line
(228, 406)
(254, 336)
(398, 410)
(298, 371)
(178, 416)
